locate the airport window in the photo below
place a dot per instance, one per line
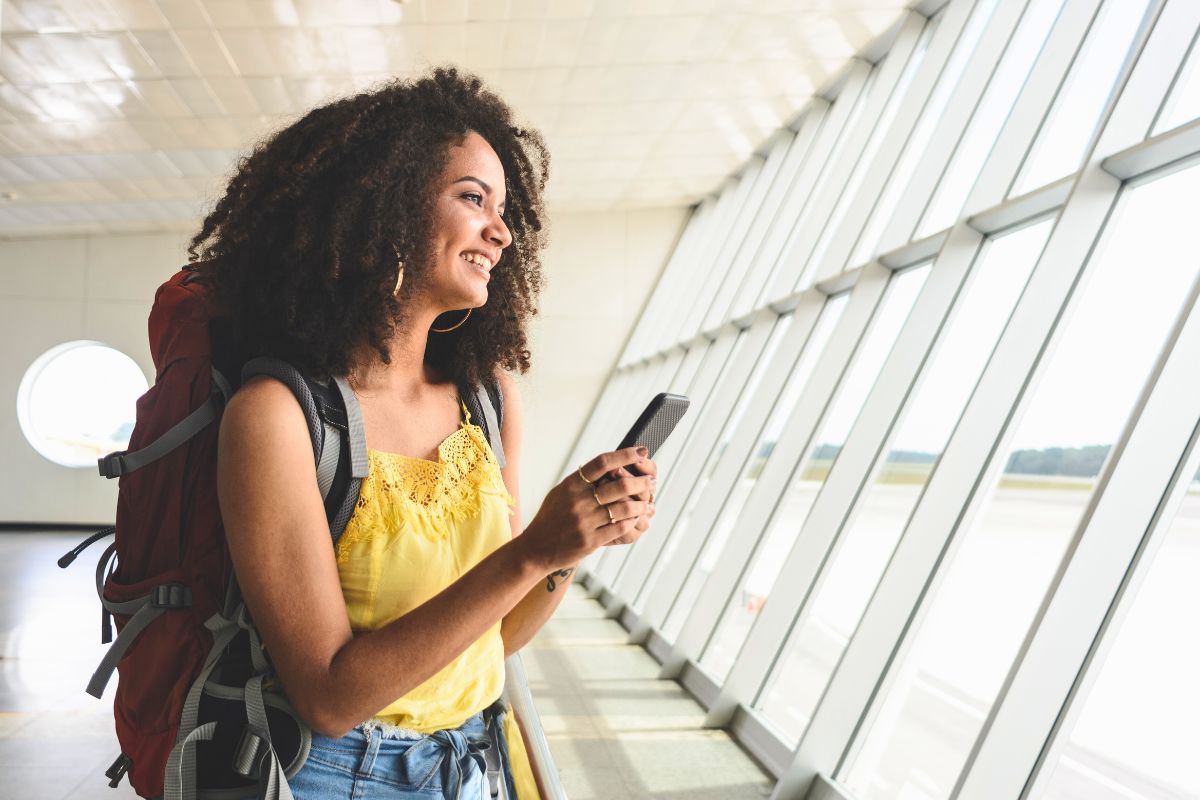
(700, 570)
(1183, 104)
(719, 655)
(995, 577)
(823, 632)
(989, 118)
(815, 466)
(878, 135)
(869, 240)
(76, 402)
(1135, 734)
(1082, 97)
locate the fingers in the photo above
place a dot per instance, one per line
(607, 462)
(627, 487)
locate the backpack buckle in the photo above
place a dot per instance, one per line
(171, 595)
(249, 753)
(112, 465)
(118, 770)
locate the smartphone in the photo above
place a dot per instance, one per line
(655, 424)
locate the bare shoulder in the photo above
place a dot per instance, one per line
(263, 410)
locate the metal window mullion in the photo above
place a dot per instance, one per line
(964, 101)
(801, 197)
(1034, 103)
(969, 461)
(748, 668)
(1178, 145)
(758, 216)
(670, 285)
(872, 93)
(779, 209)
(721, 584)
(665, 329)
(904, 124)
(1142, 467)
(724, 247)
(708, 428)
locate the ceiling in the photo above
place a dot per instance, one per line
(127, 115)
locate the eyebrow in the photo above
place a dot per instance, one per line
(473, 179)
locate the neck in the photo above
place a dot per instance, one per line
(407, 375)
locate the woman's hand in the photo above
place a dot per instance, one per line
(646, 467)
(583, 512)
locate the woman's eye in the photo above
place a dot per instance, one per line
(474, 197)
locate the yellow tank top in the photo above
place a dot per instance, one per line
(417, 527)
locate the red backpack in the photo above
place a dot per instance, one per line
(197, 712)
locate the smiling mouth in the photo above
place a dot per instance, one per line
(481, 264)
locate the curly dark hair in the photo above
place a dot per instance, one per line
(301, 250)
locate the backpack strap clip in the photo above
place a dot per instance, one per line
(113, 464)
(171, 595)
(118, 770)
(248, 756)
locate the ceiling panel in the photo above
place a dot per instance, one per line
(116, 114)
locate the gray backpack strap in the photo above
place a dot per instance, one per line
(486, 405)
(357, 440)
(122, 462)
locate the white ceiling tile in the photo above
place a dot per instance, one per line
(182, 14)
(156, 133)
(571, 9)
(271, 94)
(161, 99)
(205, 49)
(444, 11)
(315, 91)
(601, 39)
(70, 102)
(235, 96)
(242, 14)
(139, 14)
(561, 41)
(248, 49)
(124, 56)
(197, 96)
(440, 44)
(528, 9)
(17, 102)
(365, 49)
(41, 14)
(484, 47)
(164, 50)
(15, 69)
(487, 10)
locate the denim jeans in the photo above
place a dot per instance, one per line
(366, 764)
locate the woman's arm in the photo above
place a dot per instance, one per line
(544, 596)
(281, 549)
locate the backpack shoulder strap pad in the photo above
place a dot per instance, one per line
(486, 404)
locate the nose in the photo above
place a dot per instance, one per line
(497, 232)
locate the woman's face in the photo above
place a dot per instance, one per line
(468, 232)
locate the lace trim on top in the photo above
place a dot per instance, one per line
(450, 489)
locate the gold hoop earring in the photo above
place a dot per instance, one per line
(399, 280)
(456, 326)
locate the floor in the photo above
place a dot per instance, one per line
(616, 731)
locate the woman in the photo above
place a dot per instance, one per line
(393, 237)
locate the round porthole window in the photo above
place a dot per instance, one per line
(76, 402)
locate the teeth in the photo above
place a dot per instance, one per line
(475, 258)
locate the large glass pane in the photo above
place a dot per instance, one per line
(980, 612)
(1183, 104)
(1064, 139)
(1136, 735)
(823, 631)
(878, 135)
(899, 182)
(700, 570)
(720, 658)
(990, 116)
(807, 478)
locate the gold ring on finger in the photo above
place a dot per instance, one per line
(596, 495)
(611, 519)
(584, 477)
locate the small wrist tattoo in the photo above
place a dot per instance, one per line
(562, 574)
